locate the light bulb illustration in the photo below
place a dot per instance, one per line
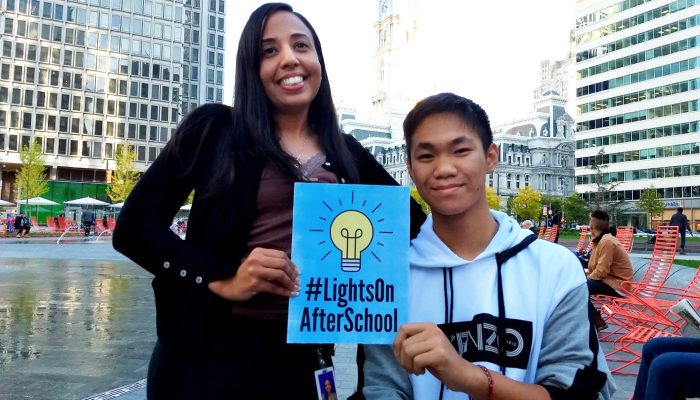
(351, 232)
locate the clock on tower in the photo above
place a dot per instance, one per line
(383, 7)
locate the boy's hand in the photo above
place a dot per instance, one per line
(421, 346)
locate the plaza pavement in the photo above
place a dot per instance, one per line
(77, 322)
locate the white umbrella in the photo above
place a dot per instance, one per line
(4, 203)
(186, 207)
(117, 205)
(86, 201)
(37, 201)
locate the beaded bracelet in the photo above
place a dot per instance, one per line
(490, 379)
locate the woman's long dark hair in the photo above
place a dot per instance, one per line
(254, 125)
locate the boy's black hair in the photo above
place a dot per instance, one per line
(469, 112)
(679, 209)
(601, 219)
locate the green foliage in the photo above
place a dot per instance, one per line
(31, 177)
(554, 202)
(494, 199)
(416, 196)
(603, 186)
(575, 209)
(650, 203)
(527, 204)
(125, 175)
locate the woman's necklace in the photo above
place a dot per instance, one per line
(300, 153)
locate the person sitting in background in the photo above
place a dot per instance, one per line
(608, 264)
(669, 368)
(22, 225)
(527, 224)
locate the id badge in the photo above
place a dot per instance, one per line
(325, 384)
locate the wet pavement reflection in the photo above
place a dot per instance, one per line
(71, 328)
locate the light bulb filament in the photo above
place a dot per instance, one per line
(351, 242)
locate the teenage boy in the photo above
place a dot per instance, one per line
(497, 314)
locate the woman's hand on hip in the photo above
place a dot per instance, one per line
(263, 270)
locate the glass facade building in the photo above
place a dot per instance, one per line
(80, 77)
(637, 101)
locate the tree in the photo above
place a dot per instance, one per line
(31, 177)
(650, 203)
(494, 199)
(125, 174)
(416, 196)
(527, 203)
(604, 185)
(575, 209)
(555, 203)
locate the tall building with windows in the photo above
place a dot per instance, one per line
(203, 55)
(82, 77)
(637, 99)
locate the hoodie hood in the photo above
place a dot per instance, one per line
(431, 252)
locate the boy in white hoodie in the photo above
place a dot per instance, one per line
(502, 316)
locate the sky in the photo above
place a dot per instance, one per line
(488, 51)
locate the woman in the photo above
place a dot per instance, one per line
(221, 295)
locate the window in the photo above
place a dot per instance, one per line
(62, 146)
(66, 81)
(49, 145)
(29, 97)
(16, 96)
(6, 49)
(26, 120)
(17, 76)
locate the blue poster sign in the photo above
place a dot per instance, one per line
(351, 244)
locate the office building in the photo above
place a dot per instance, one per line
(81, 78)
(637, 68)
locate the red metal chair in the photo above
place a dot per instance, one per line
(540, 231)
(657, 271)
(625, 235)
(583, 235)
(623, 345)
(550, 234)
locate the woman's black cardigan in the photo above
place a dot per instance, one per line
(189, 317)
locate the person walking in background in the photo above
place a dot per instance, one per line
(556, 221)
(681, 221)
(608, 265)
(88, 220)
(222, 293)
(669, 369)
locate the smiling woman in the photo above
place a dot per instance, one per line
(222, 294)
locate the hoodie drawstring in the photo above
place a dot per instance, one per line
(449, 305)
(501, 258)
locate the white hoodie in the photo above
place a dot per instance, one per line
(539, 281)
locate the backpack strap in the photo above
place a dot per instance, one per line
(501, 258)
